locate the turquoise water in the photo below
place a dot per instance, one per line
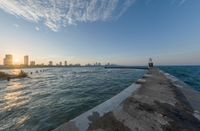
(55, 95)
(188, 74)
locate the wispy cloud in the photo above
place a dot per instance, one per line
(16, 25)
(179, 2)
(148, 2)
(37, 28)
(60, 13)
(182, 2)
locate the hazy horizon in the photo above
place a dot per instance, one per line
(124, 33)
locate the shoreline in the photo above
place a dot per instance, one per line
(158, 104)
(35, 67)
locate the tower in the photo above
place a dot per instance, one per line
(26, 60)
(32, 63)
(50, 63)
(8, 60)
(65, 63)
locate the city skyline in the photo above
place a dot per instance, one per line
(10, 60)
(124, 33)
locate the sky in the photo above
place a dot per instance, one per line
(125, 32)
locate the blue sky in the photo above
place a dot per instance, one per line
(122, 32)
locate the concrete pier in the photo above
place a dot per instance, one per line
(157, 102)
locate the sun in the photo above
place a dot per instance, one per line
(16, 61)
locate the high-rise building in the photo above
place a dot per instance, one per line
(65, 63)
(26, 60)
(32, 63)
(60, 63)
(50, 63)
(8, 60)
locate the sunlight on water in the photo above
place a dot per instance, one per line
(22, 120)
(14, 86)
(14, 98)
(15, 71)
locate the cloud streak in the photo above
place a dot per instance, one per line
(37, 28)
(182, 2)
(61, 13)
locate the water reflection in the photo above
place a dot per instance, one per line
(14, 86)
(15, 71)
(12, 71)
(22, 120)
(14, 97)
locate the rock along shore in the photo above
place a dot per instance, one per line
(158, 105)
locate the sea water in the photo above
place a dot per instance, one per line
(188, 74)
(53, 96)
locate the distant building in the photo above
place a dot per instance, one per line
(88, 64)
(26, 60)
(32, 63)
(65, 63)
(99, 64)
(77, 65)
(8, 60)
(70, 65)
(50, 63)
(60, 63)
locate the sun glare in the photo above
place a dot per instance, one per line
(16, 61)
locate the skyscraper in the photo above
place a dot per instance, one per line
(32, 63)
(65, 63)
(8, 60)
(50, 63)
(26, 60)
